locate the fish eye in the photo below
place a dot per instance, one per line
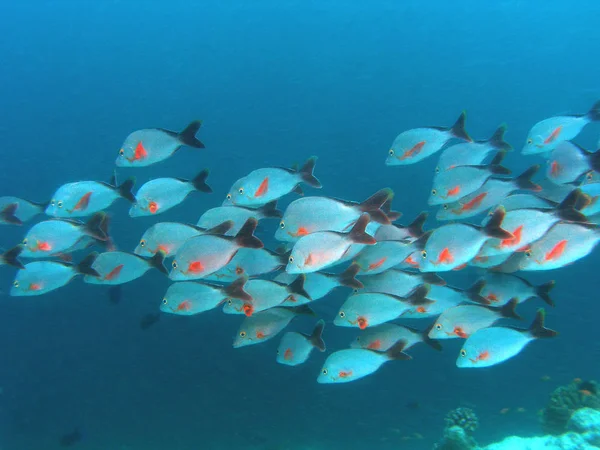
(164, 302)
(530, 141)
(282, 224)
(589, 176)
(241, 191)
(324, 371)
(291, 259)
(438, 326)
(121, 152)
(445, 206)
(230, 302)
(424, 254)
(342, 314)
(437, 170)
(25, 241)
(391, 152)
(59, 203)
(228, 196)
(433, 192)
(242, 334)
(528, 253)
(16, 283)
(355, 291)
(143, 243)
(463, 353)
(174, 264)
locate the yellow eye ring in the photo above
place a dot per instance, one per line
(121, 152)
(463, 353)
(530, 141)
(282, 224)
(438, 326)
(342, 314)
(391, 152)
(324, 371)
(528, 253)
(164, 302)
(424, 254)
(143, 243)
(228, 196)
(242, 334)
(16, 283)
(174, 264)
(59, 203)
(25, 241)
(433, 192)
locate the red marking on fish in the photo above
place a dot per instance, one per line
(310, 260)
(260, 335)
(239, 270)
(460, 332)
(34, 287)
(452, 192)
(163, 248)
(375, 345)
(362, 323)
(556, 251)
(413, 151)
(553, 135)
(492, 297)
(421, 309)
(195, 267)
(481, 357)
(515, 240)
(152, 207)
(114, 273)
(474, 203)
(185, 305)
(461, 267)
(43, 246)
(248, 309)
(344, 374)
(445, 257)
(300, 232)
(83, 203)
(555, 169)
(288, 354)
(140, 153)
(409, 260)
(377, 264)
(263, 188)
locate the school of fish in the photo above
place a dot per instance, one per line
(393, 272)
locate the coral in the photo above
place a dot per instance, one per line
(456, 438)
(564, 401)
(464, 418)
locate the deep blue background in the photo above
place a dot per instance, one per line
(274, 83)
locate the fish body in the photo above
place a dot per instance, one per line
(382, 256)
(262, 326)
(525, 201)
(149, 146)
(592, 191)
(398, 282)
(414, 145)
(165, 237)
(568, 162)
(295, 348)
(265, 185)
(407, 233)
(161, 194)
(319, 284)
(21, 210)
(120, 267)
(547, 134)
(238, 215)
(444, 297)
(384, 336)
(499, 288)
(250, 262)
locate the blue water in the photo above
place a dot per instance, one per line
(274, 83)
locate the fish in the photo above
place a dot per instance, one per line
(319, 284)
(463, 320)
(383, 337)
(501, 287)
(56, 236)
(265, 325)
(472, 153)
(41, 277)
(295, 348)
(250, 262)
(399, 282)
(353, 364)
(494, 345)
(493, 192)
(322, 249)
(386, 254)
(203, 255)
(16, 211)
(414, 145)
(149, 146)
(265, 185)
(368, 309)
(455, 244)
(187, 298)
(238, 215)
(394, 232)
(454, 184)
(10, 257)
(563, 244)
(311, 214)
(118, 267)
(161, 194)
(84, 198)
(168, 237)
(545, 136)
(568, 163)
(266, 294)
(525, 201)
(529, 225)
(591, 192)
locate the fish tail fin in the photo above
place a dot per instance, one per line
(270, 210)
(537, 328)
(495, 166)
(156, 261)
(11, 257)
(97, 226)
(246, 238)
(509, 311)
(306, 173)
(543, 292)
(358, 232)
(199, 182)
(458, 129)
(523, 181)
(594, 113)
(387, 209)
(85, 265)
(220, 229)
(493, 227)
(348, 277)
(373, 204)
(594, 160)
(433, 343)
(418, 296)
(396, 351)
(474, 292)
(235, 289)
(415, 228)
(303, 310)
(125, 189)
(432, 278)
(188, 135)
(497, 140)
(566, 209)
(8, 214)
(297, 286)
(316, 337)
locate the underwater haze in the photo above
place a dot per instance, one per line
(274, 82)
